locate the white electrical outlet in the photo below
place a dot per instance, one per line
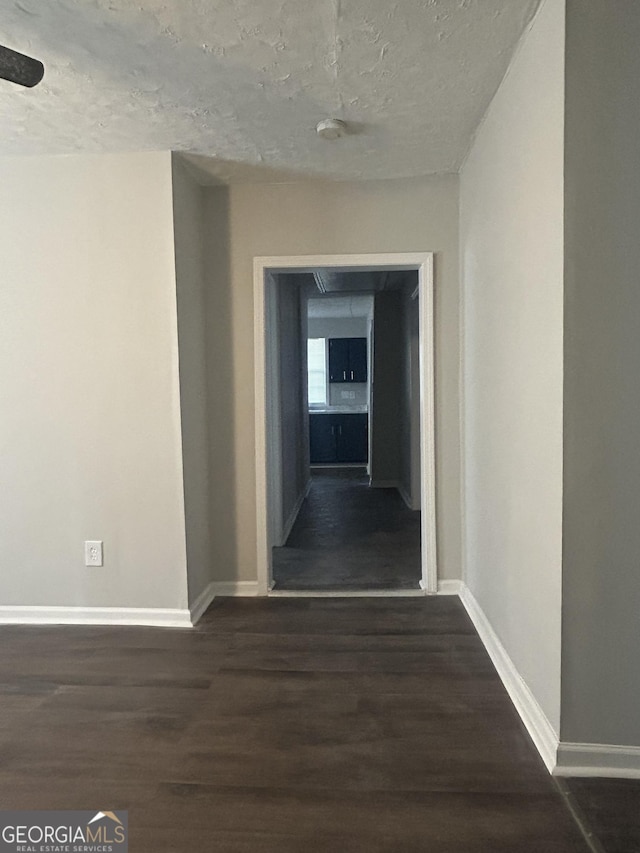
(93, 553)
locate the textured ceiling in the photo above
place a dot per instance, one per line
(241, 84)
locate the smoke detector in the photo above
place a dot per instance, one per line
(331, 128)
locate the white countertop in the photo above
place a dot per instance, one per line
(339, 410)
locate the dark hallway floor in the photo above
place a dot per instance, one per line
(350, 537)
(363, 725)
(609, 809)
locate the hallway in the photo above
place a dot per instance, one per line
(350, 537)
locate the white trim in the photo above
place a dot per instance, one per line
(561, 758)
(45, 615)
(532, 715)
(427, 425)
(374, 262)
(450, 587)
(237, 588)
(462, 420)
(423, 263)
(598, 759)
(260, 293)
(293, 515)
(201, 603)
(346, 593)
(423, 586)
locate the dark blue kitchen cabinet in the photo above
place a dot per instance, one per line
(347, 359)
(339, 437)
(322, 439)
(353, 439)
(339, 360)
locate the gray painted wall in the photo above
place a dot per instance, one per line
(601, 548)
(410, 397)
(511, 225)
(319, 218)
(387, 393)
(90, 426)
(337, 327)
(226, 504)
(341, 395)
(292, 366)
(188, 225)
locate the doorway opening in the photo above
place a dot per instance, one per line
(323, 417)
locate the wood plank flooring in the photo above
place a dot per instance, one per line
(288, 725)
(611, 811)
(350, 537)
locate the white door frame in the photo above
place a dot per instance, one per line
(422, 262)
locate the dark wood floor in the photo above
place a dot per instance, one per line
(610, 809)
(350, 537)
(364, 725)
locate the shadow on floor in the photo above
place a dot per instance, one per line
(349, 536)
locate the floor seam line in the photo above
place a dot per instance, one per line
(578, 815)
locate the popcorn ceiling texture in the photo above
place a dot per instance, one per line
(241, 84)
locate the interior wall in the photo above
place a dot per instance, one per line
(294, 437)
(325, 218)
(410, 397)
(188, 218)
(90, 426)
(601, 586)
(511, 205)
(387, 401)
(227, 507)
(337, 327)
(355, 395)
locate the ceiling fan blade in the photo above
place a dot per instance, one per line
(18, 68)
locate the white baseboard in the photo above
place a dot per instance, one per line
(149, 616)
(561, 758)
(598, 759)
(532, 715)
(425, 588)
(235, 588)
(201, 603)
(452, 587)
